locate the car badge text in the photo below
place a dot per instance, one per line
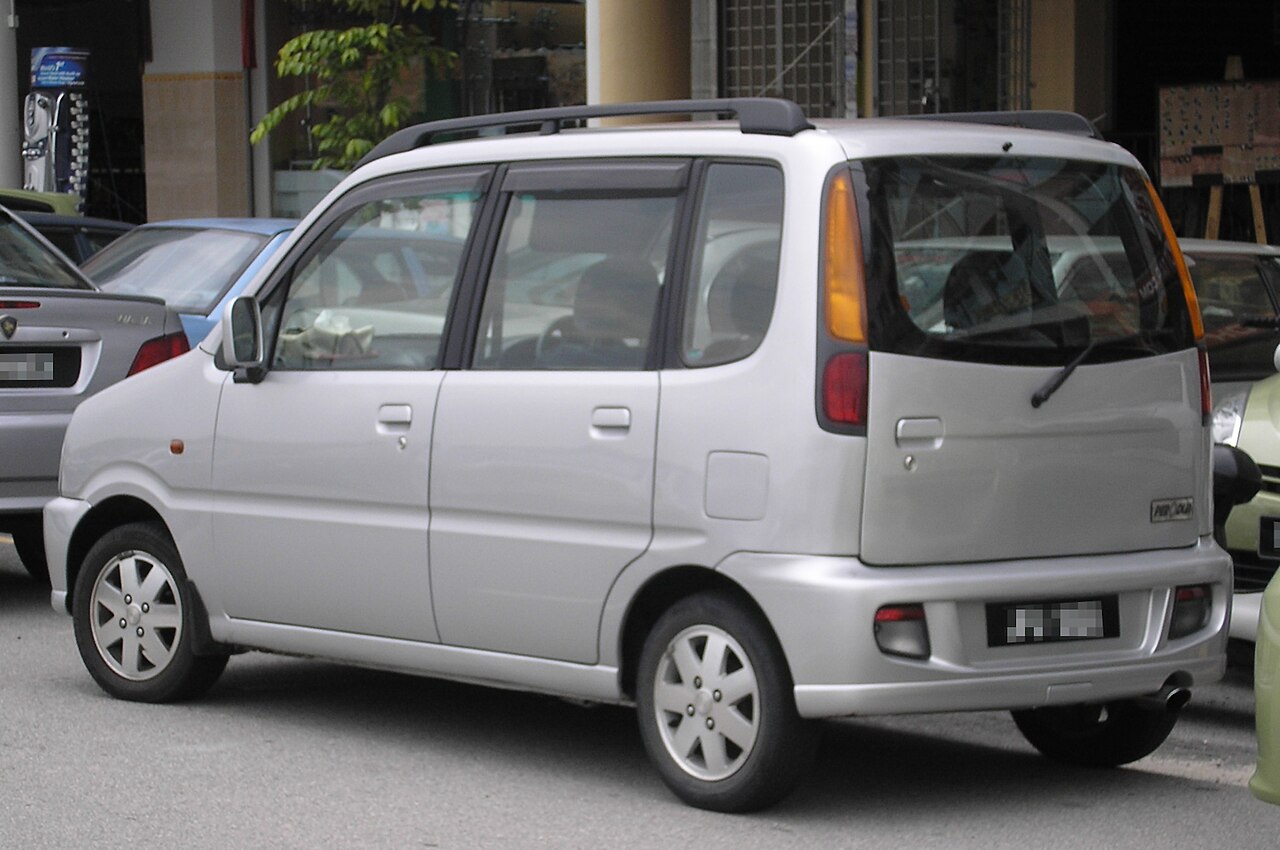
(127, 319)
(1171, 510)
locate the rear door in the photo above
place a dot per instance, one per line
(542, 474)
(1035, 389)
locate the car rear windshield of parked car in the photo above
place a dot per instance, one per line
(25, 261)
(189, 269)
(1020, 261)
(1232, 289)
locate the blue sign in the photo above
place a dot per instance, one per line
(59, 68)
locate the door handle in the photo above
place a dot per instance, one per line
(394, 418)
(611, 420)
(918, 433)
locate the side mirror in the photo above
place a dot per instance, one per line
(242, 339)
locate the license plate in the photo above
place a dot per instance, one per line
(55, 367)
(35, 367)
(1269, 537)
(1018, 623)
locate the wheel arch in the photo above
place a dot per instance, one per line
(658, 594)
(102, 518)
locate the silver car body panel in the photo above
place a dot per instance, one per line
(986, 476)
(104, 333)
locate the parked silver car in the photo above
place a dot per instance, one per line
(673, 429)
(61, 341)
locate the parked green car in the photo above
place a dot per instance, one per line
(1266, 683)
(1238, 285)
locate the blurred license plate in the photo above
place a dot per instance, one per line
(1269, 537)
(1017, 623)
(29, 366)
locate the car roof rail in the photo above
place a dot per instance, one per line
(768, 115)
(1031, 119)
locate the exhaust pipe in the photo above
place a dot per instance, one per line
(1170, 698)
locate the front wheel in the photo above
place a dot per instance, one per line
(716, 709)
(1102, 735)
(134, 618)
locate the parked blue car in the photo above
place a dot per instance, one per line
(196, 265)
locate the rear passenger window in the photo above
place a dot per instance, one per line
(734, 274)
(375, 292)
(575, 280)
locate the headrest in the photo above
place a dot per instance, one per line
(616, 298)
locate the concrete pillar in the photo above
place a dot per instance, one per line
(637, 51)
(195, 111)
(10, 108)
(704, 65)
(1071, 58)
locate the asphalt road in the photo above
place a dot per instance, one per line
(287, 752)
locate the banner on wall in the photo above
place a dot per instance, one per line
(55, 126)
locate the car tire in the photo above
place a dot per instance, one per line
(28, 541)
(1096, 735)
(716, 707)
(135, 622)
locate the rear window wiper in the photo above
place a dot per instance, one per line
(1059, 378)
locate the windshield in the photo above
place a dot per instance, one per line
(1019, 260)
(1233, 288)
(26, 261)
(190, 269)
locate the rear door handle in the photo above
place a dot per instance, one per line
(611, 420)
(394, 418)
(919, 433)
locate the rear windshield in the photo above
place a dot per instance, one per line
(189, 268)
(1019, 260)
(1234, 289)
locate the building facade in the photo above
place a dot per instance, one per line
(181, 82)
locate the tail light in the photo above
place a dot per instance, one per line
(158, 350)
(1191, 607)
(842, 266)
(1189, 295)
(902, 630)
(1188, 290)
(844, 388)
(19, 305)
(842, 392)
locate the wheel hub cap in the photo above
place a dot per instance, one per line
(132, 587)
(707, 702)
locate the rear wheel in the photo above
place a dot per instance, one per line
(134, 617)
(28, 540)
(716, 709)
(1101, 735)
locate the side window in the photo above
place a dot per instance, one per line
(375, 292)
(575, 280)
(734, 274)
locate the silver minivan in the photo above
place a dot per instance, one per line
(745, 423)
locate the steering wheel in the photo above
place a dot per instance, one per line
(549, 340)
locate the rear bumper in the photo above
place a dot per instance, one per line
(29, 477)
(823, 609)
(61, 516)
